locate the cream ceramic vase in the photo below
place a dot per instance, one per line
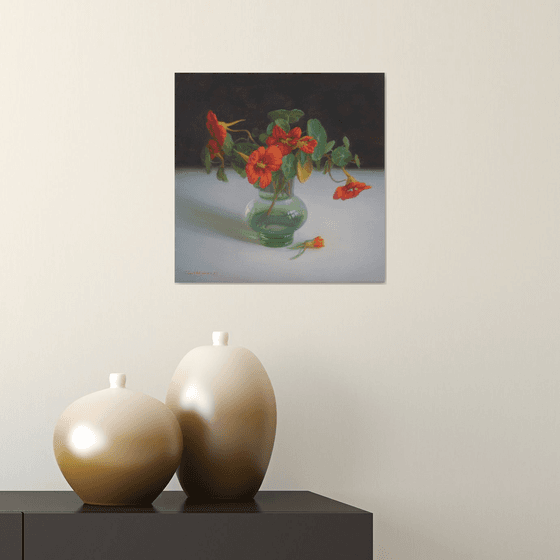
(117, 447)
(225, 405)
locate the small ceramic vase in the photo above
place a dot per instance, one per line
(225, 405)
(117, 447)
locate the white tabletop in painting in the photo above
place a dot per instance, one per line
(213, 244)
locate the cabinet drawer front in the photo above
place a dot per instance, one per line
(11, 526)
(194, 536)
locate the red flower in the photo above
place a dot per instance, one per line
(350, 190)
(318, 242)
(214, 149)
(215, 128)
(307, 144)
(262, 163)
(286, 141)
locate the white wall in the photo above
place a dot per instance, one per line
(432, 400)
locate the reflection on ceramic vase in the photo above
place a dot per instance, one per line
(117, 447)
(225, 405)
(276, 213)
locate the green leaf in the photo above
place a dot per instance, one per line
(205, 156)
(283, 124)
(263, 137)
(341, 156)
(357, 160)
(269, 129)
(246, 148)
(239, 170)
(329, 146)
(222, 175)
(283, 114)
(294, 115)
(256, 184)
(315, 129)
(289, 166)
(228, 145)
(346, 142)
(302, 157)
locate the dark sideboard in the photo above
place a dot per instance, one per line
(274, 526)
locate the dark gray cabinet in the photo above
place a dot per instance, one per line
(274, 526)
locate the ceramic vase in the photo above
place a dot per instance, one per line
(225, 405)
(117, 447)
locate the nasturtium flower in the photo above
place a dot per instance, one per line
(315, 243)
(216, 128)
(307, 144)
(262, 162)
(214, 149)
(318, 242)
(350, 190)
(285, 141)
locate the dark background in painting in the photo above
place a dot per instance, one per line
(351, 105)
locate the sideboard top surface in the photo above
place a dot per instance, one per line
(176, 502)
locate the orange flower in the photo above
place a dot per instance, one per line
(307, 144)
(316, 243)
(214, 149)
(216, 128)
(286, 141)
(262, 163)
(350, 190)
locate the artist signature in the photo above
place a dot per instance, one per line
(200, 272)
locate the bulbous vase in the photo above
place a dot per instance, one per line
(276, 226)
(117, 447)
(225, 405)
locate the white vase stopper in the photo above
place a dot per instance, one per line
(117, 380)
(220, 338)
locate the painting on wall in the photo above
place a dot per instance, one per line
(280, 178)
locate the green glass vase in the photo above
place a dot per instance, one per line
(276, 225)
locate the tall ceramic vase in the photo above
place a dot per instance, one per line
(225, 405)
(117, 447)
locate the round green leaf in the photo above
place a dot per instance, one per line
(294, 115)
(283, 114)
(346, 143)
(341, 156)
(289, 166)
(316, 130)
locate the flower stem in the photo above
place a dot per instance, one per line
(276, 195)
(243, 130)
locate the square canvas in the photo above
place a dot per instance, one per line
(280, 178)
